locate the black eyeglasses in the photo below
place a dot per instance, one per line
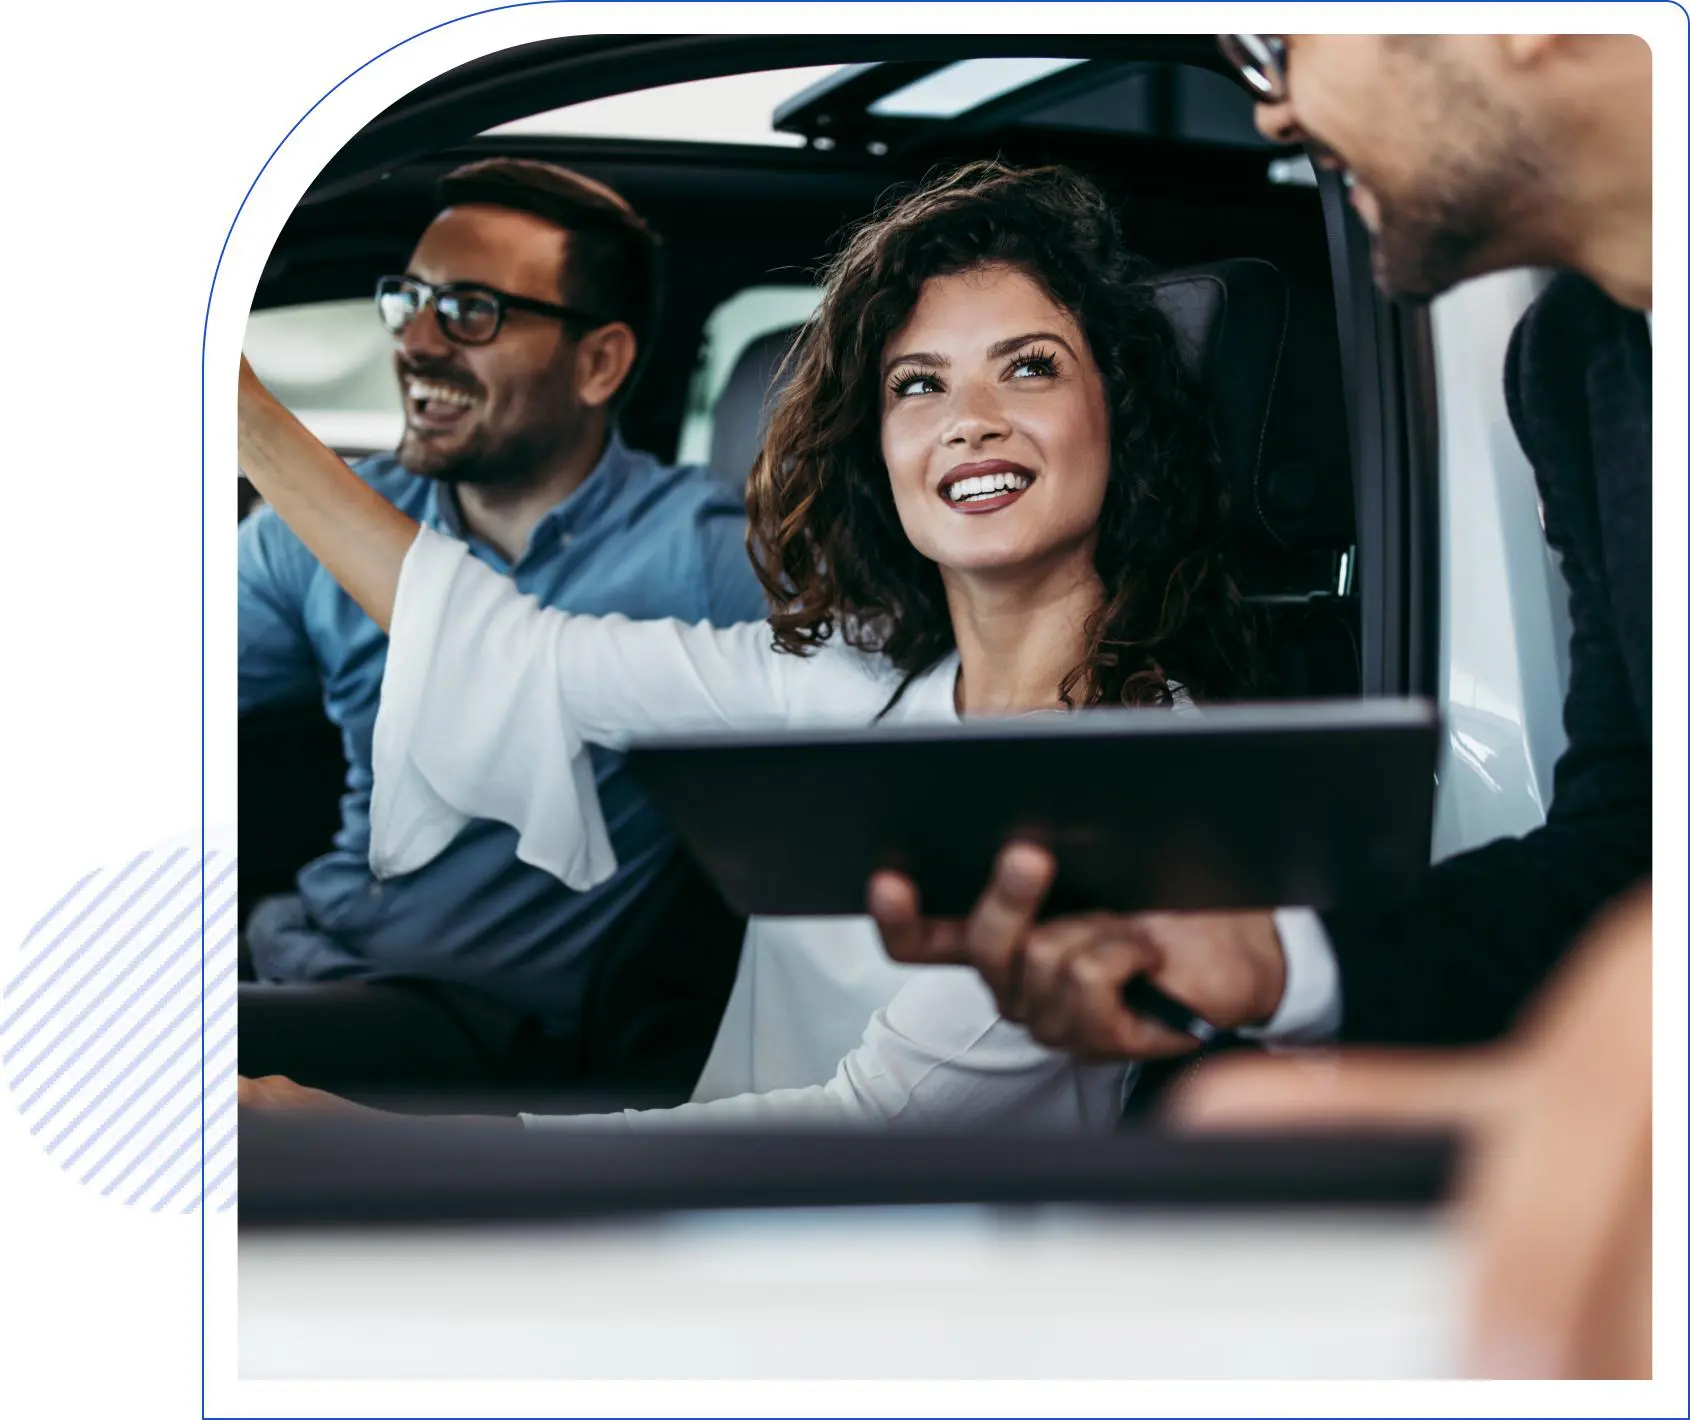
(1261, 59)
(469, 313)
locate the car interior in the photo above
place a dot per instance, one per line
(1316, 387)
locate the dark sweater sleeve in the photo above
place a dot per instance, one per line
(1457, 965)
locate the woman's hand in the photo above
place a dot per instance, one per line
(277, 1092)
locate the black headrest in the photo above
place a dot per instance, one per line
(1288, 476)
(742, 409)
(1272, 390)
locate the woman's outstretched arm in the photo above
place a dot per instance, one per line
(490, 700)
(353, 531)
(937, 1056)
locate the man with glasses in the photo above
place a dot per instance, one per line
(1463, 154)
(518, 329)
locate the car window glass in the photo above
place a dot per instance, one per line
(732, 326)
(738, 108)
(1173, 100)
(331, 363)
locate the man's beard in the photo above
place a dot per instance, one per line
(1423, 248)
(1468, 217)
(516, 459)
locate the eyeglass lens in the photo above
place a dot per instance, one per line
(464, 315)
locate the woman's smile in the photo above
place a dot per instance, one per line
(985, 486)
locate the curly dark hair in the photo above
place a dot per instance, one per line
(824, 533)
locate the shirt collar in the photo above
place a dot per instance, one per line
(596, 496)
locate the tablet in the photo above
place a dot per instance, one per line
(1239, 807)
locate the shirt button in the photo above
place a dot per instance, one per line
(375, 889)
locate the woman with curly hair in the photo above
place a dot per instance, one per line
(987, 489)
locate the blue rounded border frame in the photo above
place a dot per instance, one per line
(204, 341)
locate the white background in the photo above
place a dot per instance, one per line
(133, 133)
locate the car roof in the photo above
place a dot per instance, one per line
(1157, 117)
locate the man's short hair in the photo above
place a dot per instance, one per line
(612, 269)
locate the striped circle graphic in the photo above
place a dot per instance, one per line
(100, 1030)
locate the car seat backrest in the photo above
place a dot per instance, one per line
(1236, 328)
(741, 414)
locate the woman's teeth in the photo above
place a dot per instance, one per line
(986, 485)
(422, 392)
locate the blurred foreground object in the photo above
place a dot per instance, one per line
(1556, 1196)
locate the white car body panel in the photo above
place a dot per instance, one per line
(1502, 603)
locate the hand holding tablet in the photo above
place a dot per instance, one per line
(1183, 979)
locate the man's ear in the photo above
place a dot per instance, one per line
(602, 363)
(1524, 53)
(1529, 51)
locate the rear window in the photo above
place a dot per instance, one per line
(331, 363)
(731, 327)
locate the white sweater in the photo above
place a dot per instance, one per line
(487, 705)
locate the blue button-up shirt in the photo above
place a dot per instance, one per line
(637, 538)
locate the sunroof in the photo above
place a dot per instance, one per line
(734, 109)
(866, 106)
(966, 85)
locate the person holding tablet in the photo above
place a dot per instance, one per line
(1523, 968)
(1529, 150)
(989, 488)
